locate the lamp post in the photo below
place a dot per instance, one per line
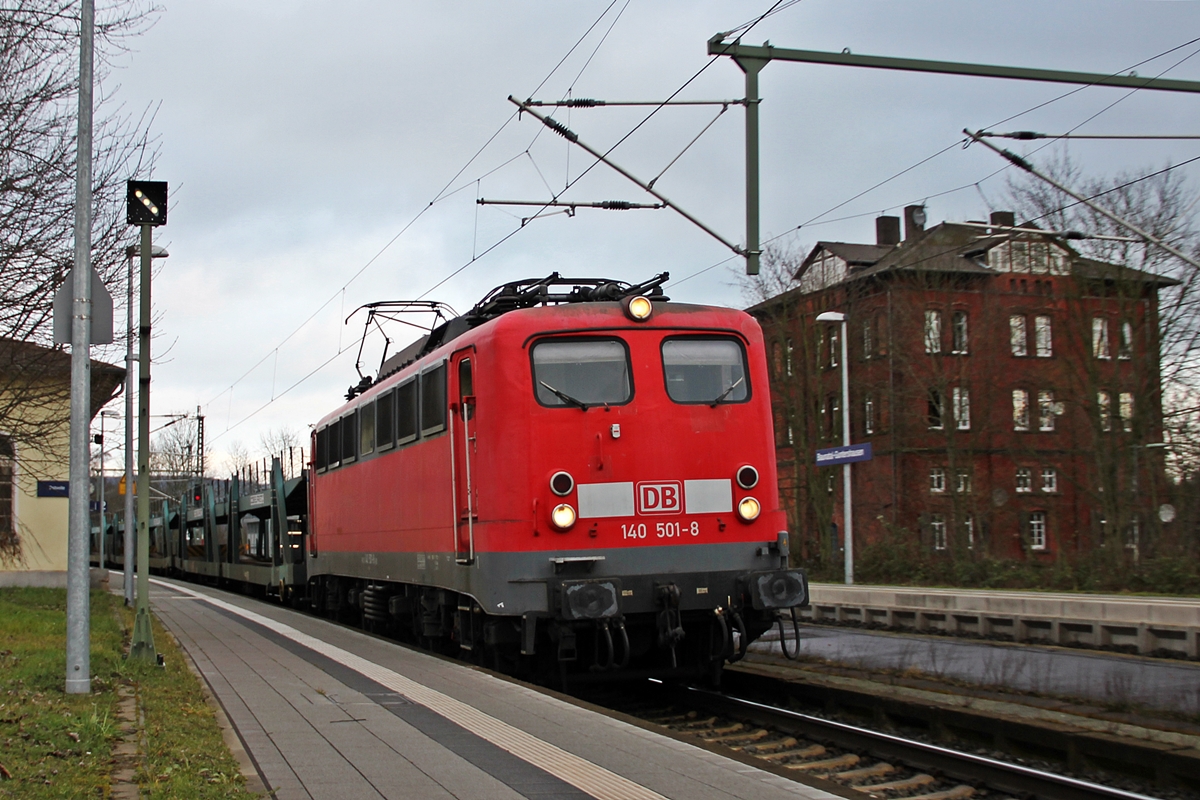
(130, 252)
(847, 518)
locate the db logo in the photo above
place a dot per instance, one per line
(659, 498)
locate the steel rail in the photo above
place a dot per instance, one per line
(968, 767)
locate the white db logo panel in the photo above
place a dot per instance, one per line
(663, 497)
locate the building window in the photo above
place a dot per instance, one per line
(933, 411)
(959, 333)
(1043, 343)
(1049, 479)
(832, 416)
(868, 334)
(1046, 410)
(1024, 479)
(1125, 409)
(937, 479)
(968, 526)
(791, 436)
(7, 487)
(1125, 347)
(962, 481)
(1020, 410)
(937, 529)
(962, 408)
(1037, 530)
(787, 358)
(1104, 410)
(869, 414)
(835, 345)
(1100, 348)
(830, 483)
(1016, 335)
(933, 331)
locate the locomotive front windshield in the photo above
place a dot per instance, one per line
(705, 370)
(581, 372)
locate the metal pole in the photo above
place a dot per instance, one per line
(848, 518)
(129, 426)
(1017, 161)
(752, 66)
(143, 635)
(101, 492)
(78, 649)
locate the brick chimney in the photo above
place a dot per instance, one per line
(887, 230)
(1004, 219)
(914, 221)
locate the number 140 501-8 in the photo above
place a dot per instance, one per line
(662, 530)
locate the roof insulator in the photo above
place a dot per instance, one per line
(583, 102)
(616, 205)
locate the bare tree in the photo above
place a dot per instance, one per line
(1164, 204)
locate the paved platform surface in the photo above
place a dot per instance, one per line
(328, 712)
(1096, 676)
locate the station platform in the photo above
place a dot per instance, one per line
(325, 711)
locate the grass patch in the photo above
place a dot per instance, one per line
(55, 745)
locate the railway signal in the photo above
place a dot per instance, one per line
(146, 208)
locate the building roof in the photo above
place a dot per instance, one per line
(27, 360)
(955, 248)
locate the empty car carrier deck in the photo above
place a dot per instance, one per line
(327, 712)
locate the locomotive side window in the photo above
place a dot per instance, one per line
(433, 400)
(707, 371)
(406, 412)
(334, 432)
(366, 429)
(322, 455)
(349, 437)
(385, 419)
(581, 372)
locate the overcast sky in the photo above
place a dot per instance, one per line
(305, 141)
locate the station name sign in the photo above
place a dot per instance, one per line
(846, 454)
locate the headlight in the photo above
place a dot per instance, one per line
(561, 483)
(747, 477)
(638, 308)
(748, 509)
(562, 517)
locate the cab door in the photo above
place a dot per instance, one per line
(464, 442)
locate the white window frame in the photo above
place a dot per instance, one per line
(1045, 410)
(835, 346)
(1018, 338)
(788, 351)
(962, 481)
(934, 400)
(1020, 399)
(1104, 409)
(869, 414)
(1125, 343)
(959, 333)
(1037, 530)
(962, 408)
(937, 480)
(937, 528)
(1024, 480)
(1043, 337)
(933, 331)
(1049, 480)
(1125, 410)
(868, 334)
(1101, 348)
(969, 529)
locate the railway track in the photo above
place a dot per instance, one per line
(861, 762)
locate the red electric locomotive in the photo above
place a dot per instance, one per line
(576, 476)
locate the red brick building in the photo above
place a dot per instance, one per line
(1008, 385)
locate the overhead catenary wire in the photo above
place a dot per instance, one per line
(442, 194)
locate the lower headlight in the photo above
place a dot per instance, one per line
(748, 509)
(562, 517)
